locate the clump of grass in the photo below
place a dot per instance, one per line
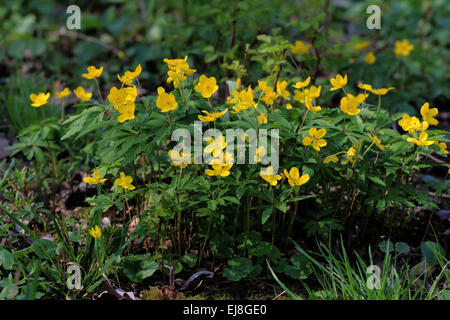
(339, 279)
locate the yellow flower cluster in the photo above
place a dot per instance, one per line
(413, 125)
(308, 95)
(178, 69)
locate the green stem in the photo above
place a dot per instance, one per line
(99, 93)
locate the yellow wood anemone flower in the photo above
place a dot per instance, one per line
(269, 176)
(370, 58)
(294, 177)
(93, 72)
(302, 84)
(331, 158)
(443, 146)
(377, 141)
(129, 76)
(242, 99)
(82, 94)
(95, 232)
(428, 114)
(39, 99)
(412, 124)
(166, 101)
(221, 165)
(422, 141)
(123, 96)
(262, 118)
(126, 111)
(206, 86)
(282, 91)
(300, 47)
(211, 116)
(269, 94)
(403, 48)
(94, 179)
(62, 94)
(125, 182)
(260, 152)
(351, 154)
(216, 145)
(361, 45)
(338, 82)
(180, 159)
(315, 138)
(349, 104)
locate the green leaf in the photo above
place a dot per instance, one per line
(139, 267)
(386, 246)
(431, 250)
(402, 247)
(6, 259)
(266, 214)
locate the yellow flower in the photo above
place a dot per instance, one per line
(178, 69)
(243, 100)
(165, 101)
(377, 141)
(300, 47)
(294, 178)
(315, 138)
(370, 58)
(81, 94)
(94, 179)
(412, 124)
(269, 94)
(351, 154)
(180, 159)
(443, 146)
(269, 176)
(314, 92)
(288, 106)
(126, 111)
(126, 80)
(129, 76)
(40, 99)
(179, 64)
(62, 94)
(281, 90)
(206, 86)
(422, 141)
(211, 116)
(378, 92)
(331, 158)
(221, 165)
(428, 114)
(301, 85)
(364, 86)
(361, 45)
(350, 103)
(381, 91)
(403, 48)
(125, 182)
(306, 97)
(122, 96)
(95, 232)
(310, 107)
(260, 152)
(176, 77)
(216, 146)
(338, 82)
(93, 72)
(262, 118)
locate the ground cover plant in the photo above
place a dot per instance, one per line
(298, 154)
